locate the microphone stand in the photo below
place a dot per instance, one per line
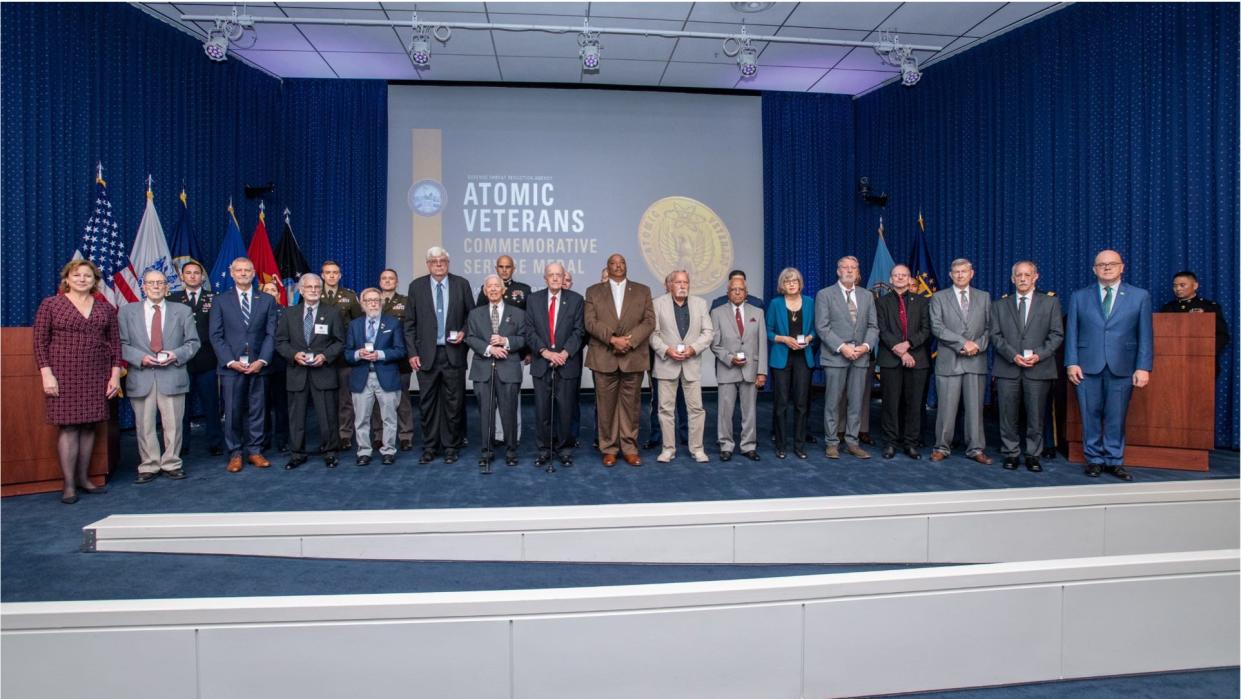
(551, 462)
(489, 424)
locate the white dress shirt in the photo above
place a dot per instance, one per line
(618, 294)
(499, 314)
(148, 312)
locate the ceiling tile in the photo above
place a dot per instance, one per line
(290, 64)
(841, 15)
(621, 72)
(724, 12)
(365, 39)
(535, 43)
(778, 78)
(1010, 14)
(808, 55)
(477, 7)
(715, 75)
(849, 82)
(539, 8)
(464, 68)
(678, 11)
(386, 66)
(541, 70)
(948, 18)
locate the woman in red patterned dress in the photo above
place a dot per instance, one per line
(78, 349)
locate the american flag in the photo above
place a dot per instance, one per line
(102, 244)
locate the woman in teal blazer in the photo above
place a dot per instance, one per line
(789, 315)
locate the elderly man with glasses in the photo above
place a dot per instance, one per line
(375, 349)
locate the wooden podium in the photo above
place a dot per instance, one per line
(28, 462)
(1171, 422)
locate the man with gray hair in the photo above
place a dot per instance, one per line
(310, 336)
(683, 333)
(845, 320)
(435, 320)
(496, 334)
(960, 318)
(157, 339)
(375, 349)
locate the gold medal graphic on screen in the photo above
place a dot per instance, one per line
(683, 233)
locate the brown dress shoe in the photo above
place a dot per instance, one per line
(938, 456)
(858, 452)
(633, 459)
(609, 460)
(259, 461)
(234, 464)
(981, 458)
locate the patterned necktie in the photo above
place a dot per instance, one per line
(1107, 302)
(852, 306)
(904, 315)
(965, 302)
(551, 319)
(439, 311)
(1021, 310)
(308, 325)
(740, 323)
(245, 308)
(495, 319)
(370, 330)
(157, 331)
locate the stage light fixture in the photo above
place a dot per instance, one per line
(910, 75)
(216, 47)
(893, 53)
(419, 48)
(420, 51)
(228, 30)
(747, 55)
(588, 41)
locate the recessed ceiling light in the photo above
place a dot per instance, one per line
(751, 7)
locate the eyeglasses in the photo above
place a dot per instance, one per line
(307, 287)
(153, 282)
(1107, 265)
(370, 300)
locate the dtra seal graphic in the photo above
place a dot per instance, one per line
(683, 233)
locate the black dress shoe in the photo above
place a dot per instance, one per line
(800, 454)
(1032, 464)
(346, 445)
(364, 460)
(330, 461)
(912, 453)
(407, 445)
(726, 456)
(542, 459)
(510, 460)
(1119, 472)
(294, 463)
(752, 455)
(889, 452)
(450, 456)
(566, 459)
(865, 438)
(175, 474)
(427, 457)
(388, 459)
(1093, 470)
(145, 477)
(70, 500)
(1010, 463)
(780, 454)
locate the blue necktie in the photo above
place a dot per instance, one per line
(370, 330)
(439, 313)
(308, 325)
(245, 309)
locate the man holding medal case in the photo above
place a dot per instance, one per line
(310, 336)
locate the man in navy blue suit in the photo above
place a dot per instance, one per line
(374, 350)
(243, 323)
(1109, 350)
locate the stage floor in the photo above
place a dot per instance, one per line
(40, 558)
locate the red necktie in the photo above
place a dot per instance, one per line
(157, 332)
(740, 324)
(900, 298)
(551, 320)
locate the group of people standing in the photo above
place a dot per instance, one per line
(350, 356)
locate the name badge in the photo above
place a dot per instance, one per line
(320, 328)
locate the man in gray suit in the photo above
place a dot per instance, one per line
(1026, 329)
(682, 334)
(158, 339)
(844, 317)
(740, 348)
(960, 318)
(494, 331)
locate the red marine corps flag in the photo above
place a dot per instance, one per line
(265, 267)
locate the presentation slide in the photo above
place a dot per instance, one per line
(669, 180)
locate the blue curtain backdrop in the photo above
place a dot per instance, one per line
(808, 186)
(1102, 125)
(334, 145)
(94, 82)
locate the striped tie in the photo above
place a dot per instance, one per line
(245, 309)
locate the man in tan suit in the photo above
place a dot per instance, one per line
(619, 319)
(683, 332)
